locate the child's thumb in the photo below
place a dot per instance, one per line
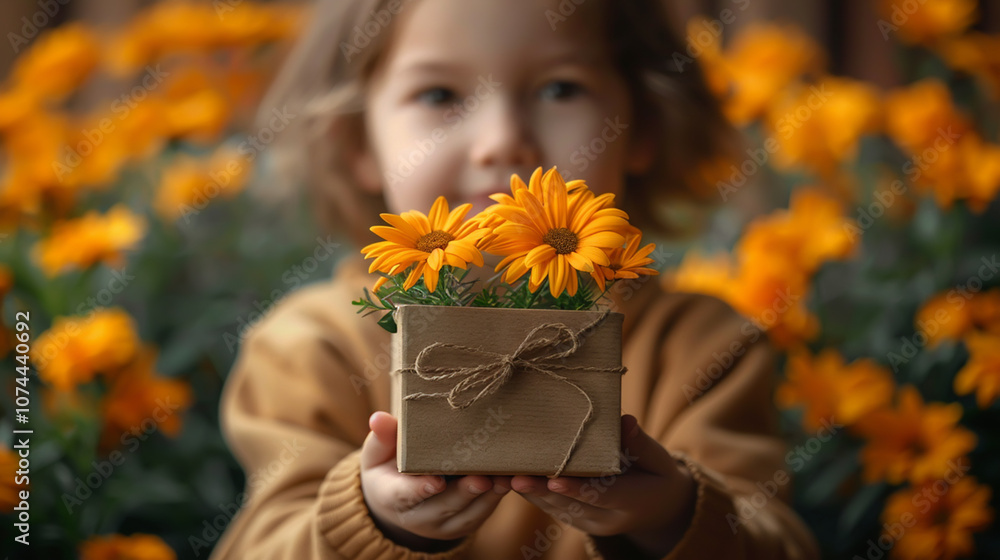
(641, 450)
(380, 445)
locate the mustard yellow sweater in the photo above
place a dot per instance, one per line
(308, 376)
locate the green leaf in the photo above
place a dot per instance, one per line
(388, 323)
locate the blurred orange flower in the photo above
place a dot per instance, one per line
(819, 126)
(138, 400)
(953, 314)
(16, 104)
(191, 27)
(120, 547)
(82, 242)
(6, 336)
(948, 158)
(8, 490)
(982, 372)
(922, 113)
(926, 21)
(189, 185)
(33, 182)
(194, 106)
(58, 61)
(913, 441)
(981, 170)
(939, 518)
(833, 391)
(75, 349)
(775, 259)
(977, 54)
(760, 63)
(946, 316)
(770, 293)
(813, 230)
(986, 310)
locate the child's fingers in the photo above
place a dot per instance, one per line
(623, 492)
(459, 494)
(407, 494)
(433, 509)
(380, 445)
(580, 515)
(647, 453)
(557, 502)
(470, 518)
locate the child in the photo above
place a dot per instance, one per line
(397, 104)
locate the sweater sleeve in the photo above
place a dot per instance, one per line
(294, 412)
(711, 407)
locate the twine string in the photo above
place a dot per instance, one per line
(536, 353)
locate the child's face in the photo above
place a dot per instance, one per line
(471, 91)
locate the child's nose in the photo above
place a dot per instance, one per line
(503, 138)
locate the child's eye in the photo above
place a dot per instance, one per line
(561, 89)
(436, 96)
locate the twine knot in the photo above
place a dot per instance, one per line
(536, 353)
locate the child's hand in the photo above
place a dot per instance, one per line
(651, 503)
(418, 510)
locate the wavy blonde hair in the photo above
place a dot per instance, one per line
(323, 84)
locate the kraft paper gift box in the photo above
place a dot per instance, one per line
(507, 391)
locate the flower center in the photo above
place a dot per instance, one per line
(562, 240)
(434, 240)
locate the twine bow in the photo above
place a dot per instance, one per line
(536, 353)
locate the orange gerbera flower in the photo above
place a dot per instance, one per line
(429, 242)
(913, 441)
(554, 233)
(939, 518)
(982, 372)
(626, 262)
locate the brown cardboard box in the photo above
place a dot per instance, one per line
(538, 414)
